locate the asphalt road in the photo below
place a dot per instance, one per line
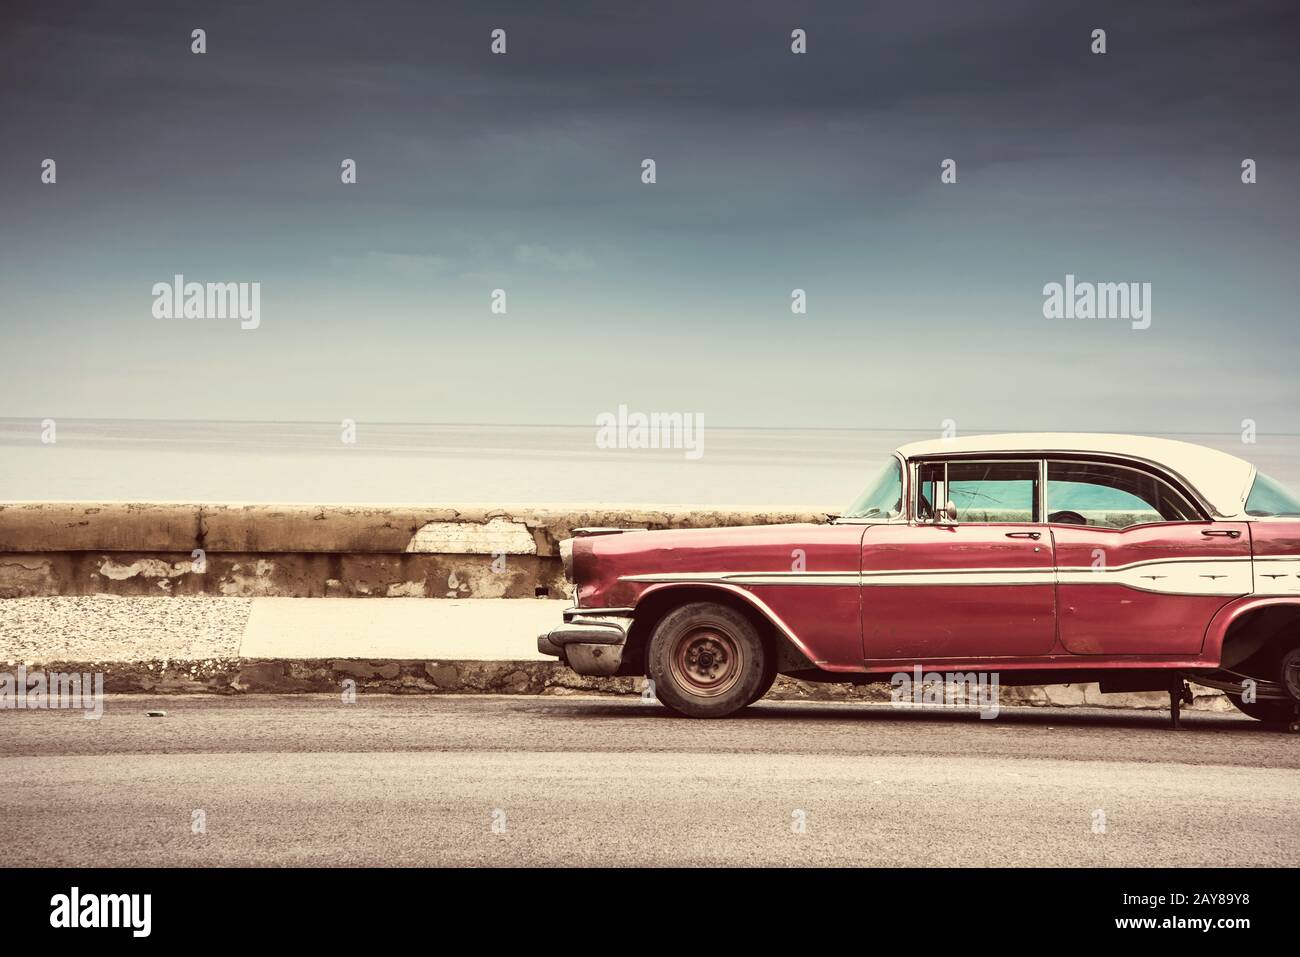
(396, 780)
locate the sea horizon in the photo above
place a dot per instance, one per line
(198, 460)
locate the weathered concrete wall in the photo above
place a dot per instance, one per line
(253, 551)
(308, 551)
(278, 574)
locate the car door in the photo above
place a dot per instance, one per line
(980, 585)
(1141, 570)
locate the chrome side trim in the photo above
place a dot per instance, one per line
(748, 578)
(1174, 576)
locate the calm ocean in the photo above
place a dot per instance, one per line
(116, 460)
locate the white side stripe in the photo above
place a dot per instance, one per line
(1212, 577)
(1277, 576)
(1174, 576)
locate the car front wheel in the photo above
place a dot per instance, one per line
(707, 660)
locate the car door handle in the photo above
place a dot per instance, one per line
(1034, 535)
(1221, 532)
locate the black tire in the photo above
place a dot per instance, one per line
(1288, 672)
(707, 661)
(769, 679)
(1271, 712)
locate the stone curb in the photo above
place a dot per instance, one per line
(235, 676)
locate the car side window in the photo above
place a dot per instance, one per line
(1111, 496)
(994, 491)
(980, 491)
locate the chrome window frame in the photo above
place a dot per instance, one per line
(1132, 463)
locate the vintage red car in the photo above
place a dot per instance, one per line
(1138, 563)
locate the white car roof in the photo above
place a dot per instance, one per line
(1222, 480)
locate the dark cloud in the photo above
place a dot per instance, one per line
(774, 168)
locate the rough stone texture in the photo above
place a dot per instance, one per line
(78, 550)
(282, 575)
(144, 527)
(39, 629)
(497, 535)
(285, 676)
(27, 575)
(1085, 695)
(311, 551)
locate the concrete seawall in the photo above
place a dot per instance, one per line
(182, 597)
(312, 551)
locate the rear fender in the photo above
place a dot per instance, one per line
(1217, 630)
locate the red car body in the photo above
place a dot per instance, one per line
(1134, 599)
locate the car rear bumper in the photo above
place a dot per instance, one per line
(589, 642)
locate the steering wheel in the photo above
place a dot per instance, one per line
(1066, 517)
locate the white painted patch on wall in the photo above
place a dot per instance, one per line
(405, 590)
(145, 567)
(248, 581)
(497, 535)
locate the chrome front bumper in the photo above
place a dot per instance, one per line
(588, 642)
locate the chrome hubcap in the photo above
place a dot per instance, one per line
(707, 661)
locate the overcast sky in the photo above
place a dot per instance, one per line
(775, 171)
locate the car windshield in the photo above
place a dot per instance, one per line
(1270, 498)
(884, 495)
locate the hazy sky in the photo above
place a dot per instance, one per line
(775, 171)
